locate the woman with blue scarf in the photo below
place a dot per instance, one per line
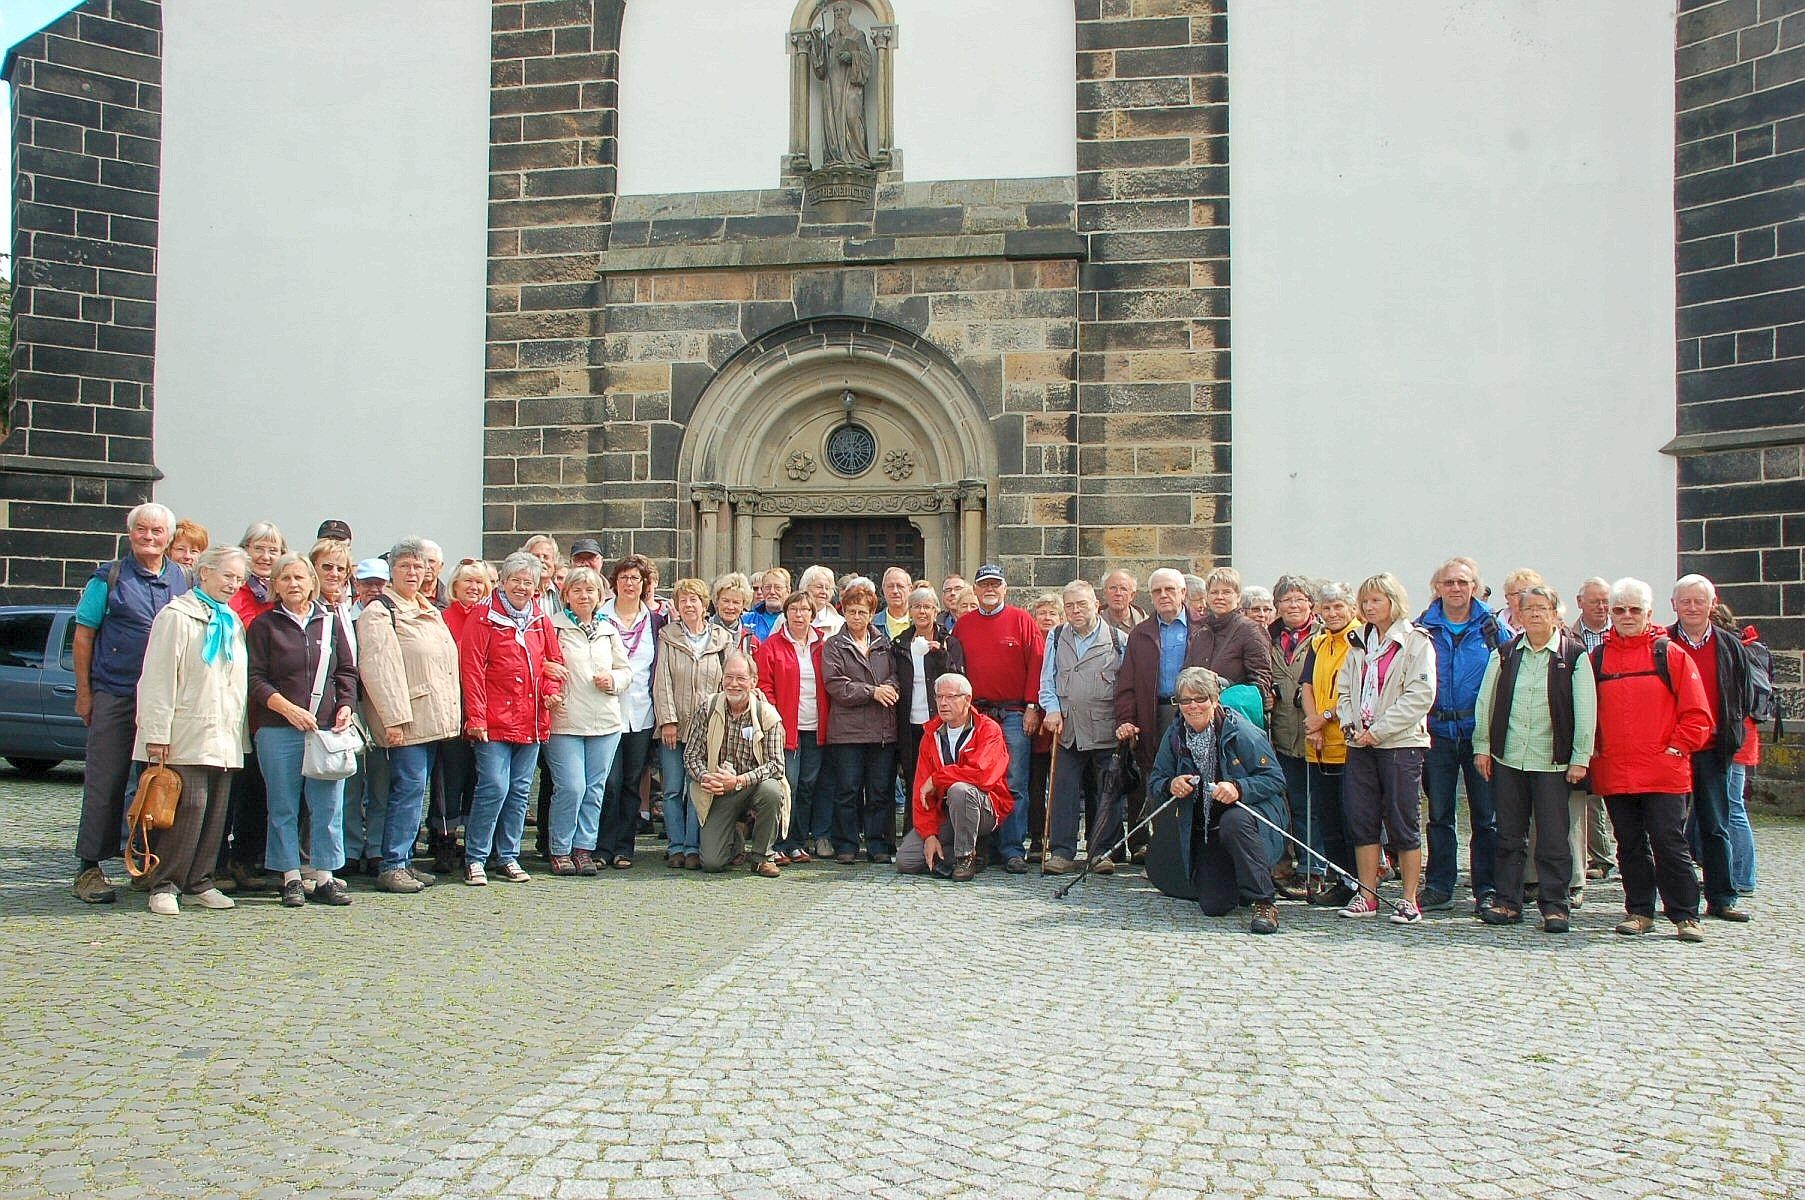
(191, 717)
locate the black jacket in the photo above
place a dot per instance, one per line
(950, 657)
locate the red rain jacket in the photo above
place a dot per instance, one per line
(1639, 718)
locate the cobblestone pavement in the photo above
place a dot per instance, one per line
(844, 1032)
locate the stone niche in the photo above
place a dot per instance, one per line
(815, 35)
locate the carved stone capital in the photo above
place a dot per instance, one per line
(747, 500)
(710, 496)
(883, 37)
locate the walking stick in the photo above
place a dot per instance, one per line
(1092, 859)
(1348, 881)
(1046, 825)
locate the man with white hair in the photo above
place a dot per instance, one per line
(1652, 718)
(112, 630)
(1078, 696)
(1119, 609)
(1723, 668)
(961, 788)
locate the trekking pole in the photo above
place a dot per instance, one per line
(1093, 859)
(1046, 827)
(1347, 880)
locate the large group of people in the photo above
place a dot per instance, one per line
(1248, 745)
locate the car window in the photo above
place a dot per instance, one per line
(22, 638)
(66, 659)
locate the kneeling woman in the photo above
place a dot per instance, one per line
(302, 678)
(191, 717)
(1219, 766)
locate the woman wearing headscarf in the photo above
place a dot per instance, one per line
(302, 678)
(192, 701)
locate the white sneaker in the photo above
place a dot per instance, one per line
(474, 875)
(164, 904)
(213, 898)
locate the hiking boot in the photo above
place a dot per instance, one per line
(1497, 914)
(1265, 917)
(965, 868)
(93, 887)
(1727, 912)
(399, 882)
(1635, 926)
(1688, 931)
(1016, 865)
(584, 861)
(1057, 864)
(1555, 923)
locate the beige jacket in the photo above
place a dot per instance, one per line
(199, 711)
(1401, 715)
(409, 666)
(682, 679)
(589, 711)
(764, 719)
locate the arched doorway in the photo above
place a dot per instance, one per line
(847, 424)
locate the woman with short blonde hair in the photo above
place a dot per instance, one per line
(692, 654)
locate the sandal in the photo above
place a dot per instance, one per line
(623, 863)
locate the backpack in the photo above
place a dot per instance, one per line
(1764, 707)
(1663, 645)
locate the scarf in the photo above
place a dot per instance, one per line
(520, 618)
(1202, 744)
(591, 627)
(258, 588)
(222, 628)
(1372, 679)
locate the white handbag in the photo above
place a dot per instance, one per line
(326, 754)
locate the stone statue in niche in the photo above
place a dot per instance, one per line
(841, 58)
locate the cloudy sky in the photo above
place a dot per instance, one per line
(20, 19)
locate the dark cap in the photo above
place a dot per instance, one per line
(585, 546)
(987, 572)
(334, 529)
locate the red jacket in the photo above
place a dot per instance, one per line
(505, 685)
(983, 762)
(781, 682)
(458, 614)
(245, 604)
(1639, 719)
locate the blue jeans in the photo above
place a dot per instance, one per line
(1711, 809)
(1012, 834)
(366, 806)
(811, 805)
(1742, 834)
(410, 767)
(1448, 760)
(279, 750)
(580, 767)
(504, 776)
(682, 831)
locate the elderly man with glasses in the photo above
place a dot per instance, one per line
(961, 789)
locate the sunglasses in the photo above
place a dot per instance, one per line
(1619, 610)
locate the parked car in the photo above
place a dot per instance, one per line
(38, 725)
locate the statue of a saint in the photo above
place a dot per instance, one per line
(842, 59)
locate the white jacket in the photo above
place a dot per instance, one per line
(199, 711)
(589, 711)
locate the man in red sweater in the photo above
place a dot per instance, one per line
(959, 790)
(1003, 647)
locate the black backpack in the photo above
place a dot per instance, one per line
(1765, 706)
(1662, 668)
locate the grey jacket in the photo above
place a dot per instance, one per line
(849, 678)
(1086, 686)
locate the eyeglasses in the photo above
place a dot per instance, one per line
(1620, 610)
(468, 562)
(1194, 702)
(1459, 583)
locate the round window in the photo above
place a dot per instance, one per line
(851, 450)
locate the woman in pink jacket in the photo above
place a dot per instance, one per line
(512, 670)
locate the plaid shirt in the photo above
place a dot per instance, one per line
(736, 748)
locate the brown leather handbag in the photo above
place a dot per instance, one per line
(153, 808)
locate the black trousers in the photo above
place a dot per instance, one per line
(864, 775)
(453, 785)
(1652, 854)
(248, 818)
(1038, 766)
(1516, 795)
(1229, 865)
(620, 798)
(908, 748)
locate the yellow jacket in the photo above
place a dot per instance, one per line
(1327, 652)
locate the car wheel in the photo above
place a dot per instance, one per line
(33, 766)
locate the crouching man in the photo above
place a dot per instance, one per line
(961, 786)
(1218, 766)
(733, 753)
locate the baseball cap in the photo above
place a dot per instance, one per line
(987, 572)
(371, 568)
(334, 528)
(585, 546)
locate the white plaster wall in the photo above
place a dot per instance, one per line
(1453, 288)
(321, 273)
(984, 89)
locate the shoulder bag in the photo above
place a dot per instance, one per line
(328, 754)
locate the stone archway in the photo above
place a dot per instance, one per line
(755, 452)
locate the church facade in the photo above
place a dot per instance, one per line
(865, 281)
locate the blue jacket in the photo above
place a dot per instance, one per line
(1244, 757)
(1459, 666)
(124, 632)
